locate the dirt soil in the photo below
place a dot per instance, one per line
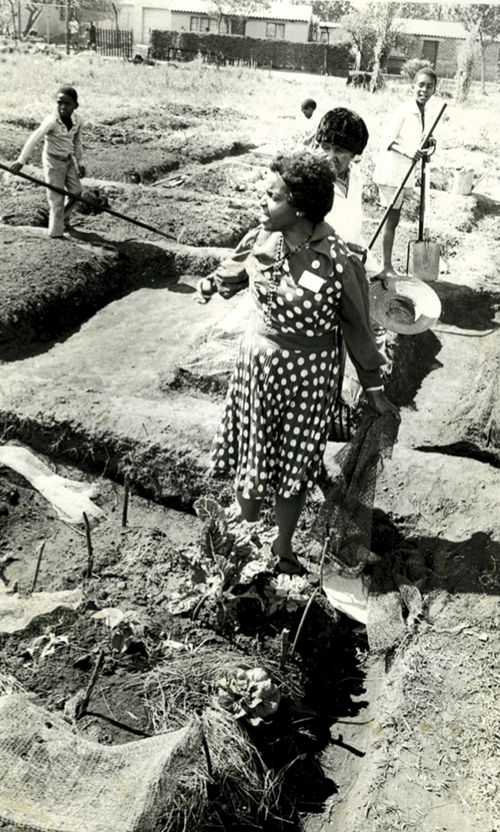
(401, 738)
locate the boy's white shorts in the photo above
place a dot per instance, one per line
(386, 195)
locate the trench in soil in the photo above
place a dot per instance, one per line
(137, 567)
(323, 741)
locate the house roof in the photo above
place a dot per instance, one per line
(275, 11)
(433, 28)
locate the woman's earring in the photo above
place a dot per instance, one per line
(298, 213)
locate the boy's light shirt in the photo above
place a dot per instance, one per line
(58, 140)
(405, 127)
(346, 216)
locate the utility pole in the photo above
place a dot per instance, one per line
(68, 4)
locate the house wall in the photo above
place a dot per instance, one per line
(51, 24)
(447, 56)
(176, 21)
(126, 16)
(296, 31)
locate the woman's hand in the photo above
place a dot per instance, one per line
(16, 167)
(378, 402)
(359, 251)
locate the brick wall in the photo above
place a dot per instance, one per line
(447, 56)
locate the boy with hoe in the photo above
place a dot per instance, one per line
(61, 156)
(400, 145)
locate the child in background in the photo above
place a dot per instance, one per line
(61, 156)
(400, 145)
(308, 108)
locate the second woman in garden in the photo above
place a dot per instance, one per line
(304, 284)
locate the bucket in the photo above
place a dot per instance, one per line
(462, 181)
(425, 260)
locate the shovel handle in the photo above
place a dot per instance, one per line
(424, 141)
(421, 207)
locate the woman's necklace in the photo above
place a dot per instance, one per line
(275, 276)
(280, 257)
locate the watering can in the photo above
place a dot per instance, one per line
(463, 180)
(425, 255)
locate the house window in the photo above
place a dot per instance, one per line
(430, 51)
(275, 31)
(324, 36)
(206, 24)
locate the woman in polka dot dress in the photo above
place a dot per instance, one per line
(304, 284)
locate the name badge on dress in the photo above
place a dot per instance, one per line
(311, 281)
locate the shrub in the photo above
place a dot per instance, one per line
(308, 57)
(411, 67)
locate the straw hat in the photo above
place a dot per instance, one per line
(408, 307)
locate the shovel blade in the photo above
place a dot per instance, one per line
(425, 260)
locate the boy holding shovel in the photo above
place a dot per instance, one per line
(401, 146)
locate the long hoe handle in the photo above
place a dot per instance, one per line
(77, 198)
(406, 177)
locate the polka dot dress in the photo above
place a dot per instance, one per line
(277, 412)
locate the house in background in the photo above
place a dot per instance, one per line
(437, 41)
(440, 42)
(280, 21)
(326, 31)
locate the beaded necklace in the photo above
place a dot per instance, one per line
(275, 276)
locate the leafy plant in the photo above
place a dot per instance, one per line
(225, 565)
(289, 592)
(233, 561)
(45, 645)
(410, 68)
(250, 694)
(128, 629)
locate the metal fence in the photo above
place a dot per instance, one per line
(116, 42)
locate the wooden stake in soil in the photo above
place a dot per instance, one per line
(208, 758)
(285, 640)
(90, 552)
(82, 709)
(38, 562)
(313, 596)
(126, 490)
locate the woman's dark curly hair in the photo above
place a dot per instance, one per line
(343, 128)
(309, 178)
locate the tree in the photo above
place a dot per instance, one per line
(466, 61)
(360, 28)
(482, 21)
(331, 10)
(35, 8)
(386, 36)
(425, 11)
(9, 19)
(374, 32)
(242, 9)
